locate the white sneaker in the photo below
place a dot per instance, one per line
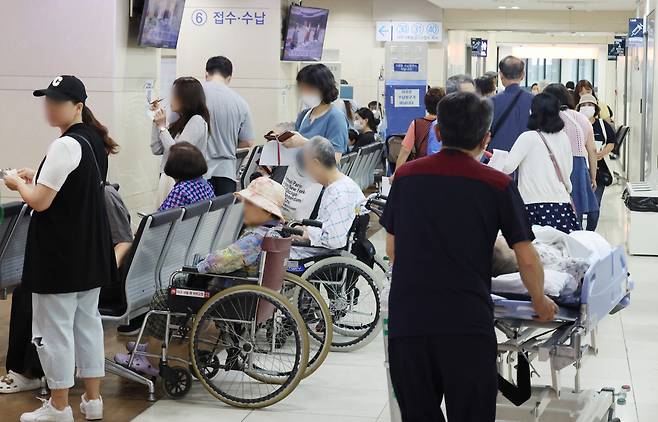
(92, 409)
(14, 382)
(47, 413)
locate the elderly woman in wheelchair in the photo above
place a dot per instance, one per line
(229, 320)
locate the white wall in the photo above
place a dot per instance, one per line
(351, 31)
(254, 50)
(35, 50)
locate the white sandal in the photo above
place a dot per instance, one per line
(14, 382)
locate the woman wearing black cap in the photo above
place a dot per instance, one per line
(69, 252)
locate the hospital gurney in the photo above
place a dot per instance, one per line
(563, 342)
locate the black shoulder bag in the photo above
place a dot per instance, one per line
(503, 117)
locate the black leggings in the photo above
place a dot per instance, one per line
(461, 368)
(21, 354)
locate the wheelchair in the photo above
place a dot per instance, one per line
(249, 346)
(350, 281)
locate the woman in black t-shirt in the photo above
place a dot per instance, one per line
(366, 125)
(605, 136)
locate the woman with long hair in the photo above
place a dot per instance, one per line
(68, 255)
(579, 130)
(544, 160)
(188, 100)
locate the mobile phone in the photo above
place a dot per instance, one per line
(285, 136)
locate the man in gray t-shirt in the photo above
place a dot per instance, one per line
(231, 125)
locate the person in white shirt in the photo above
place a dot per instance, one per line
(340, 204)
(544, 160)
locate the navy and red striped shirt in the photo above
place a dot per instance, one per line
(445, 211)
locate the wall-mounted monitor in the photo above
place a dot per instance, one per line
(160, 25)
(304, 36)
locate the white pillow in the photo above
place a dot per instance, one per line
(555, 283)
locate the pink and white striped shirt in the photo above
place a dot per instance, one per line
(578, 129)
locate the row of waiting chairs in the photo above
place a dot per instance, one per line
(361, 165)
(164, 242)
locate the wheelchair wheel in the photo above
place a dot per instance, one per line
(316, 315)
(240, 327)
(176, 382)
(351, 289)
(315, 312)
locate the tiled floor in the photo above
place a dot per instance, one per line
(351, 387)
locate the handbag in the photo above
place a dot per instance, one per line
(603, 175)
(557, 170)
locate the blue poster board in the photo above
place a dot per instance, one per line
(405, 101)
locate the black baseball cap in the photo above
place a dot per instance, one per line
(64, 88)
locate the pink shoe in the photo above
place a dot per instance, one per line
(140, 364)
(130, 346)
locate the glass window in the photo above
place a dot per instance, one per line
(586, 70)
(535, 71)
(553, 68)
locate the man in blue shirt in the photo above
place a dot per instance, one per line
(511, 107)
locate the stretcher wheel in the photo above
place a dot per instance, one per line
(176, 382)
(233, 326)
(352, 291)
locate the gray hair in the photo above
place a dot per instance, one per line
(454, 83)
(321, 149)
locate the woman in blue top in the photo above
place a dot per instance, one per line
(317, 88)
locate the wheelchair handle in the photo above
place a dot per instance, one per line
(312, 223)
(291, 231)
(378, 202)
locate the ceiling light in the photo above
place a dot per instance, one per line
(502, 7)
(515, 7)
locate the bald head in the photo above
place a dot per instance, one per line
(512, 70)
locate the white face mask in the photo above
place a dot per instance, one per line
(588, 111)
(311, 100)
(358, 125)
(377, 114)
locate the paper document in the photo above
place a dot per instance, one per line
(498, 159)
(275, 154)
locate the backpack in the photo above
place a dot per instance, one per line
(422, 133)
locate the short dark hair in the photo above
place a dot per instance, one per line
(320, 77)
(485, 85)
(512, 68)
(432, 98)
(464, 119)
(560, 92)
(185, 162)
(571, 85)
(545, 114)
(221, 65)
